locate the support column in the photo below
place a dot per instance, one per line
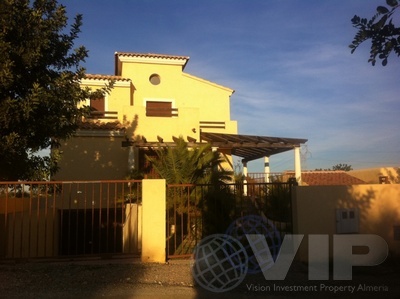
(245, 177)
(297, 164)
(153, 221)
(266, 169)
(132, 158)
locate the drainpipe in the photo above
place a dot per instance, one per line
(297, 164)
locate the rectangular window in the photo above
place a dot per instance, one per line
(160, 109)
(97, 107)
(97, 104)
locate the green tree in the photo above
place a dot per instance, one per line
(384, 35)
(39, 85)
(180, 164)
(210, 194)
(344, 167)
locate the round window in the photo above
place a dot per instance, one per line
(154, 79)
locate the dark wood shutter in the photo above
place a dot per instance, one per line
(97, 104)
(97, 107)
(161, 109)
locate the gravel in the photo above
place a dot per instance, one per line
(128, 278)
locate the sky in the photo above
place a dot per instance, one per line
(287, 60)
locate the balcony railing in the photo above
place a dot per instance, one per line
(212, 125)
(103, 115)
(161, 112)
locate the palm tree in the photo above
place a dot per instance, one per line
(180, 164)
(200, 168)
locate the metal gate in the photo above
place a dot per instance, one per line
(196, 211)
(64, 219)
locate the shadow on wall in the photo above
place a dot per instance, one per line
(357, 209)
(379, 212)
(97, 155)
(373, 175)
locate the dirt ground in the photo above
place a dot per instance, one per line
(128, 278)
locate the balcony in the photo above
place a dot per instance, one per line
(103, 115)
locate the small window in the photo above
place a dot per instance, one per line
(155, 79)
(97, 104)
(97, 107)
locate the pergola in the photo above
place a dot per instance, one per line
(247, 147)
(250, 147)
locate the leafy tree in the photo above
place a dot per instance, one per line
(39, 85)
(384, 35)
(343, 167)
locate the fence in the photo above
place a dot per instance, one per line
(195, 211)
(87, 218)
(267, 177)
(62, 219)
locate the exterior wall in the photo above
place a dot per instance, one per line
(93, 158)
(371, 175)
(132, 229)
(197, 101)
(153, 221)
(120, 96)
(314, 212)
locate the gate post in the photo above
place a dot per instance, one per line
(153, 221)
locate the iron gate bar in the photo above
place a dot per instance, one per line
(66, 218)
(276, 197)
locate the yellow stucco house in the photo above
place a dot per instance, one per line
(153, 101)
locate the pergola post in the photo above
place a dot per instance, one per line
(132, 158)
(266, 169)
(297, 164)
(245, 177)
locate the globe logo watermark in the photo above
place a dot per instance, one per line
(221, 261)
(255, 225)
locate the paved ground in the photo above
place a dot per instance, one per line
(132, 279)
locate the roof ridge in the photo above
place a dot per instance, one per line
(104, 77)
(152, 55)
(99, 125)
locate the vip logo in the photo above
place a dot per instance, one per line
(221, 262)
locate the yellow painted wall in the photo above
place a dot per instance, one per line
(314, 211)
(93, 158)
(196, 99)
(371, 175)
(153, 221)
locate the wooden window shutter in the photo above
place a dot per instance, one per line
(161, 109)
(97, 104)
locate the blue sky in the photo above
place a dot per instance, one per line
(287, 60)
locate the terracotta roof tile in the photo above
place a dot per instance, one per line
(321, 178)
(105, 77)
(151, 55)
(97, 125)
